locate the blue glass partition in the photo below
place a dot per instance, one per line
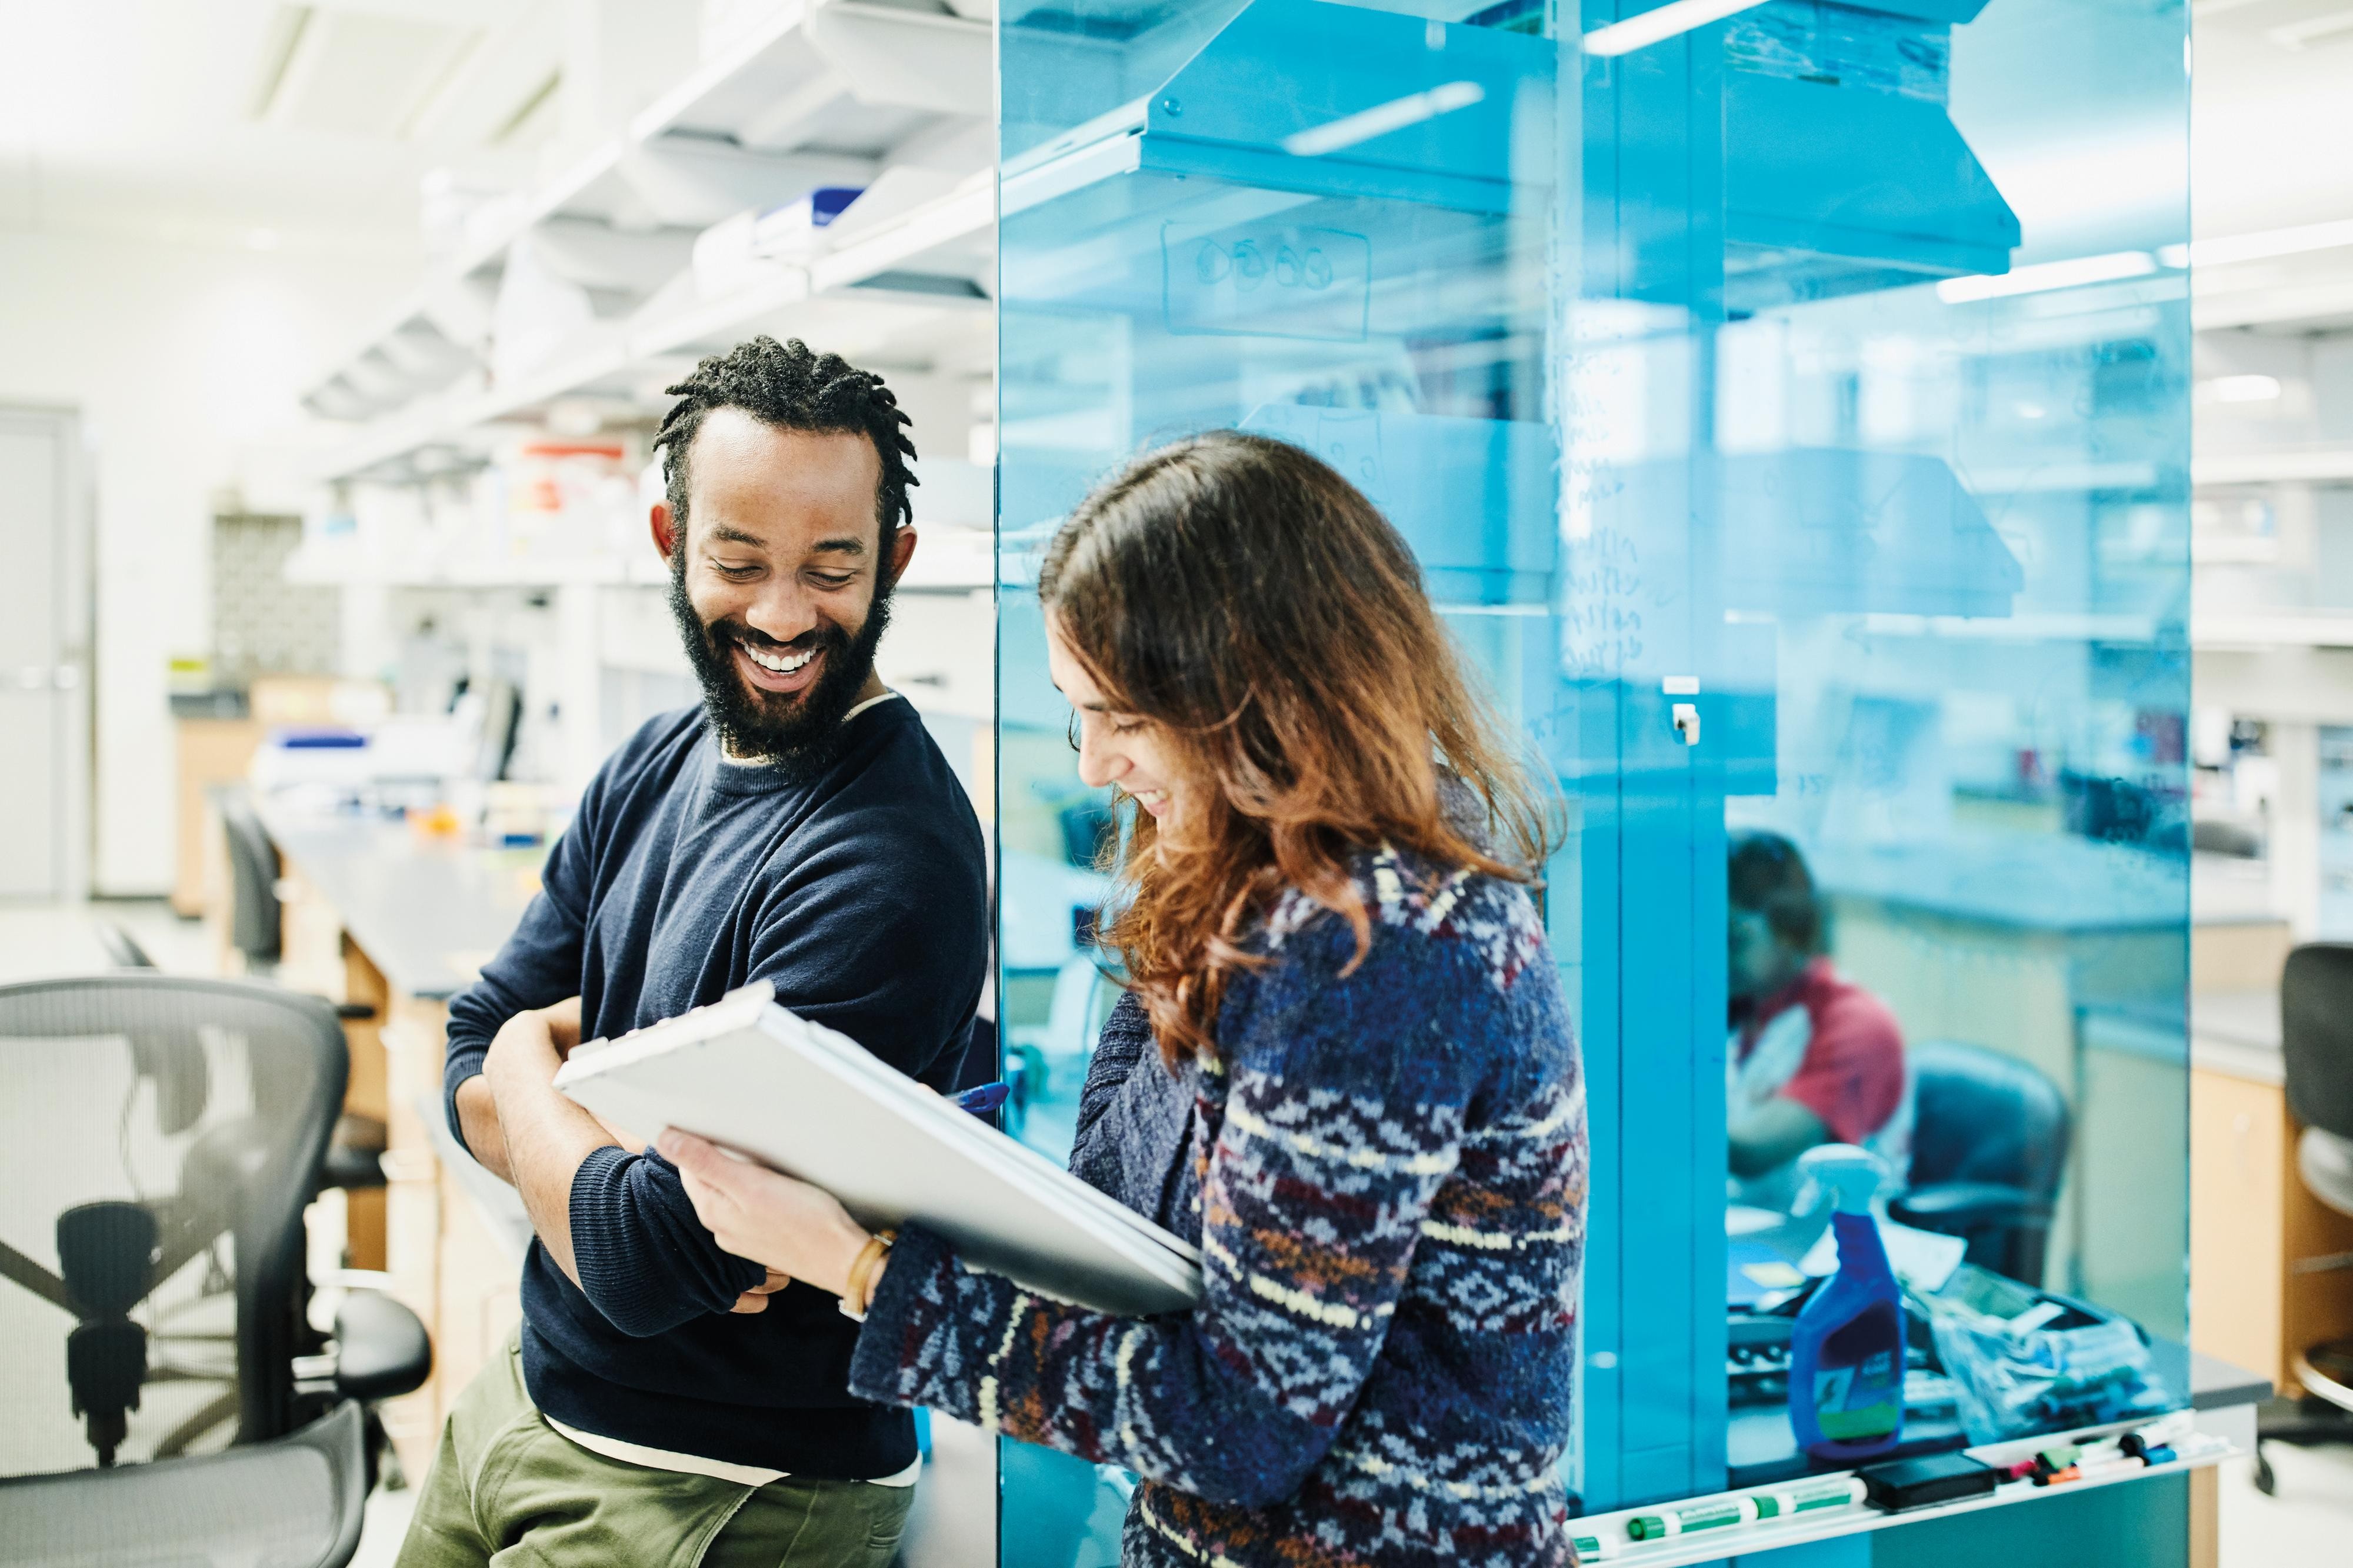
(1790, 417)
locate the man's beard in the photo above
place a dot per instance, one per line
(799, 732)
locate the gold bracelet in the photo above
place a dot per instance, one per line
(856, 1299)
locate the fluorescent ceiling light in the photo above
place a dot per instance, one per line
(2260, 246)
(287, 25)
(2046, 275)
(2295, 35)
(2241, 388)
(1665, 22)
(1382, 117)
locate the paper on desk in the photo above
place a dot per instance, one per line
(1922, 1259)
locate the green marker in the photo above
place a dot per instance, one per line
(1718, 1515)
(1590, 1548)
(1782, 1502)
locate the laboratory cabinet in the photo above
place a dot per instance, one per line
(1788, 410)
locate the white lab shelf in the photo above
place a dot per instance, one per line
(2326, 466)
(356, 571)
(732, 134)
(949, 558)
(2257, 630)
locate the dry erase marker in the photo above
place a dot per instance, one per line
(1590, 1550)
(981, 1101)
(1692, 1515)
(2156, 1434)
(1781, 1501)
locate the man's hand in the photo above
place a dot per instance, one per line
(546, 1136)
(755, 1300)
(564, 1025)
(478, 1111)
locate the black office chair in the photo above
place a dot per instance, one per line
(167, 1400)
(1988, 1145)
(2316, 1040)
(354, 1155)
(123, 949)
(253, 924)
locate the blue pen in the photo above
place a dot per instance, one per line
(981, 1101)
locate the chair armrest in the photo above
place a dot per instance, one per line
(354, 1153)
(381, 1350)
(1948, 1206)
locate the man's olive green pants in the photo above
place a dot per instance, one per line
(506, 1489)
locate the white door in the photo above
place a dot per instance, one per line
(44, 695)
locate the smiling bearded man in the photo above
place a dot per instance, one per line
(666, 1402)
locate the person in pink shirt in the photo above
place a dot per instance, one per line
(1813, 1058)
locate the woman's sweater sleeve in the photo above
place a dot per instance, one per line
(1343, 1115)
(1127, 1133)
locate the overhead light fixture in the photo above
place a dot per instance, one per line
(2239, 389)
(2312, 29)
(289, 25)
(527, 109)
(2111, 268)
(1382, 117)
(433, 105)
(1675, 18)
(2261, 246)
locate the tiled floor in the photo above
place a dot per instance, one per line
(41, 940)
(386, 1523)
(2309, 1521)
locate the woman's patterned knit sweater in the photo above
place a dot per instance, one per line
(1392, 1170)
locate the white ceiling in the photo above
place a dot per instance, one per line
(156, 117)
(2271, 113)
(308, 125)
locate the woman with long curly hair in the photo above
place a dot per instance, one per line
(1342, 1065)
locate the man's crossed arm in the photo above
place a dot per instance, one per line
(527, 1134)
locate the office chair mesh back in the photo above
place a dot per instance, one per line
(163, 1137)
(2316, 1034)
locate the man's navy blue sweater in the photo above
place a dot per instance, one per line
(862, 893)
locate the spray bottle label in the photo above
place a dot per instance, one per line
(1853, 1403)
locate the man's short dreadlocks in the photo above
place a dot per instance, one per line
(786, 386)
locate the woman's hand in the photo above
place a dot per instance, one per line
(791, 1227)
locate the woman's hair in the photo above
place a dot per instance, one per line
(1237, 593)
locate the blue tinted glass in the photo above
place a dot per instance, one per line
(1790, 417)
(1952, 522)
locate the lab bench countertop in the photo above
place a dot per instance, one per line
(2238, 1033)
(428, 912)
(2050, 882)
(1762, 1449)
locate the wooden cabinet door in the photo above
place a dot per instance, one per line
(2238, 1170)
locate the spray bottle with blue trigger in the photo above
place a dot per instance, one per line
(1846, 1352)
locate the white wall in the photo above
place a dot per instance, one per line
(185, 360)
